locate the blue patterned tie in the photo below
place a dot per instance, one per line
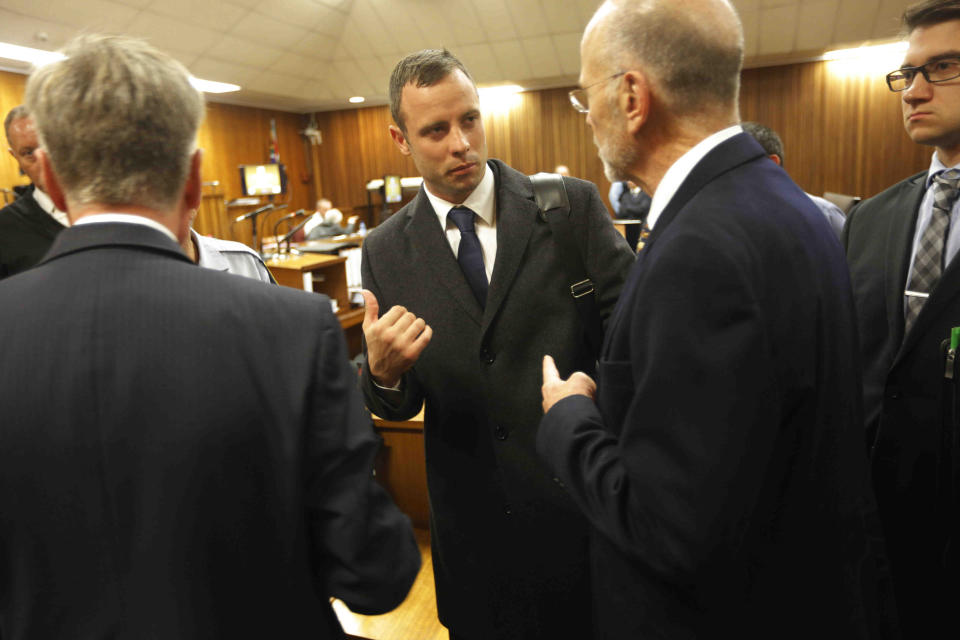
(470, 254)
(928, 263)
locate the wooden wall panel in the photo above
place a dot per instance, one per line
(841, 133)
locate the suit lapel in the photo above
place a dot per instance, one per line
(516, 215)
(35, 217)
(431, 249)
(728, 155)
(899, 246)
(945, 291)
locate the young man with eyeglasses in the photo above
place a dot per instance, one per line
(901, 246)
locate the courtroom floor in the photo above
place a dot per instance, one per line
(414, 619)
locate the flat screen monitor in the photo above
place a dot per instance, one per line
(263, 179)
(392, 191)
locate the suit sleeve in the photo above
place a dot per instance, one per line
(679, 473)
(607, 256)
(391, 405)
(363, 547)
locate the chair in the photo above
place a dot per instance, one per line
(843, 201)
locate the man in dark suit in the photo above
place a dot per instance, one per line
(183, 453)
(719, 457)
(29, 224)
(468, 316)
(900, 247)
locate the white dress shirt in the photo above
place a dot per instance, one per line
(680, 169)
(46, 203)
(126, 218)
(483, 202)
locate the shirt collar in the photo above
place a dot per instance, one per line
(937, 167)
(126, 219)
(208, 257)
(680, 169)
(482, 200)
(46, 203)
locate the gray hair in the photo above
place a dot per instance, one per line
(766, 137)
(696, 56)
(118, 120)
(16, 113)
(423, 68)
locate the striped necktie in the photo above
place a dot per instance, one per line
(928, 263)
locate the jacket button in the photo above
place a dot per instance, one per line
(507, 510)
(500, 432)
(893, 395)
(486, 356)
(559, 482)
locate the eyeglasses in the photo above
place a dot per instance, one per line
(934, 71)
(579, 98)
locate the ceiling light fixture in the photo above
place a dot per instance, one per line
(357, 99)
(209, 86)
(39, 57)
(869, 52)
(33, 56)
(500, 98)
(871, 61)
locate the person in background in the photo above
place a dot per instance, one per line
(901, 247)
(183, 453)
(771, 143)
(325, 217)
(629, 202)
(473, 291)
(29, 224)
(718, 456)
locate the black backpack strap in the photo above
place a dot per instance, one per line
(554, 206)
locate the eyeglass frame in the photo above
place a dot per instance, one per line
(583, 105)
(923, 71)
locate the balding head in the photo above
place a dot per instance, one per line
(691, 49)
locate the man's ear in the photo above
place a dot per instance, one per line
(192, 195)
(51, 183)
(399, 139)
(193, 189)
(635, 99)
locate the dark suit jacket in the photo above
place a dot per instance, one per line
(509, 549)
(722, 465)
(905, 395)
(26, 233)
(183, 453)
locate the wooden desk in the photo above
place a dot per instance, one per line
(401, 466)
(320, 273)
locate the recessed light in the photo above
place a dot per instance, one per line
(357, 99)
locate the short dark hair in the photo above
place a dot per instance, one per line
(930, 12)
(19, 111)
(767, 138)
(423, 68)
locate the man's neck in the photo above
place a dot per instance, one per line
(949, 157)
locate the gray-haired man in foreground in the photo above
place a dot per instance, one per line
(183, 453)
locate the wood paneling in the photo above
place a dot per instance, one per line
(840, 132)
(229, 136)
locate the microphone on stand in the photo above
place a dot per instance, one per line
(254, 213)
(298, 212)
(290, 233)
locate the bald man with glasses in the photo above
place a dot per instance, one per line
(901, 246)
